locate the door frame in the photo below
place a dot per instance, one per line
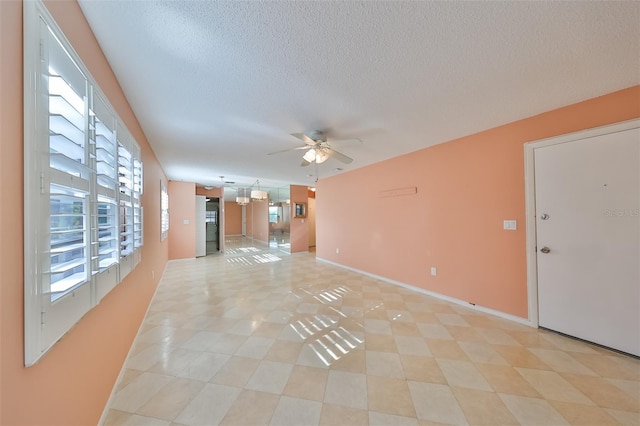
(530, 200)
(221, 221)
(201, 224)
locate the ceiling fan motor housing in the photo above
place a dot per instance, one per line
(316, 136)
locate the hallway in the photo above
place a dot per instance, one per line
(258, 336)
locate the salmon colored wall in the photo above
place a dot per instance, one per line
(182, 206)
(258, 220)
(299, 230)
(465, 189)
(72, 382)
(248, 214)
(311, 219)
(233, 218)
(213, 192)
(261, 220)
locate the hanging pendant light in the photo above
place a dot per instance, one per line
(258, 194)
(242, 197)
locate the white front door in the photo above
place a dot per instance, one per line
(587, 201)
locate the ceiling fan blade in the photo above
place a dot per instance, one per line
(289, 149)
(305, 163)
(338, 156)
(304, 138)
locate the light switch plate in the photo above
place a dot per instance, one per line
(185, 222)
(510, 225)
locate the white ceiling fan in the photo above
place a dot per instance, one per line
(317, 148)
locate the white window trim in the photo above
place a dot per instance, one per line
(164, 211)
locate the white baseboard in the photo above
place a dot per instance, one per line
(483, 309)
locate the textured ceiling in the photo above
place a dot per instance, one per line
(218, 85)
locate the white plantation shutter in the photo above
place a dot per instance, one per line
(83, 186)
(137, 202)
(102, 126)
(125, 206)
(164, 211)
(68, 177)
(105, 247)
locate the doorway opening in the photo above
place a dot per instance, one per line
(279, 225)
(212, 225)
(279, 218)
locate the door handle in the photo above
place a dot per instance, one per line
(545, 250)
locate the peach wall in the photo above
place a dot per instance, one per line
(213, 192)
(258, 220)
(311, 219)
(72, 382)
(233, 218)
(248, 216)
(299, 229)
(261, 221)
(465, 189)
(182, 207)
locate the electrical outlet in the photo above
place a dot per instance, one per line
(337, 250)
(434, 271)
(153, 274)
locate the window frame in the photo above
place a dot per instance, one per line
(164, 211)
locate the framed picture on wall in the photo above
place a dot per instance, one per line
(300, 210)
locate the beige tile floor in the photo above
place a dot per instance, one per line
(262, 337)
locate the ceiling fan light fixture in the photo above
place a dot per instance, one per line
(321, 156)
(310, 156)
(317, 155)
(317, 149)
